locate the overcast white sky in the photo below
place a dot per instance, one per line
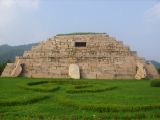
(136, 22)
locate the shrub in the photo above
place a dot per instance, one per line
(159, 70)
(155, 83)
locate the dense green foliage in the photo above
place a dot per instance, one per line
(156, 64)
(79, 33)
(10, 52)
(2, 66)
(30, 99)
(159, 70)
(155, 83)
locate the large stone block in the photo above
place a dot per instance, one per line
(141, 72)
(74, 71)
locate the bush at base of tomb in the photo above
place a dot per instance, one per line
(155, 83)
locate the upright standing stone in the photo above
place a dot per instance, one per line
(74, 71)
(141, 72)
(8, 70)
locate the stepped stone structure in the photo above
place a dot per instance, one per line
(95, 55)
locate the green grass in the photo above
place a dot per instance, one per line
(66, 99)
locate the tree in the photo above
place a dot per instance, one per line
(159, 70)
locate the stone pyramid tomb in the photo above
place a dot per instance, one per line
(81, 55)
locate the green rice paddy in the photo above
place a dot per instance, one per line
(67, 99)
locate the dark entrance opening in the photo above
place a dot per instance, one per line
(80, 44)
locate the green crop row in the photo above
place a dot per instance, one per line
(91, 90)
(82, 86)
(117, 108)
(37, 83)
(104, 107)
(73, 82)
(26, 101)
(41, 89)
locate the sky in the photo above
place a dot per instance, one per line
(135, 22)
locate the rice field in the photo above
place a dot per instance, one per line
(67, 99)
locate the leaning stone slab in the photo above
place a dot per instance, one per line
(8, 69)
(151, 71)
(74, 71)
(17, 70)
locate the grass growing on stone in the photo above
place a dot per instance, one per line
(30, 99)
(80, 33)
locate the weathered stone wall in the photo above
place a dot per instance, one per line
(151, 71)
(103, 58)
